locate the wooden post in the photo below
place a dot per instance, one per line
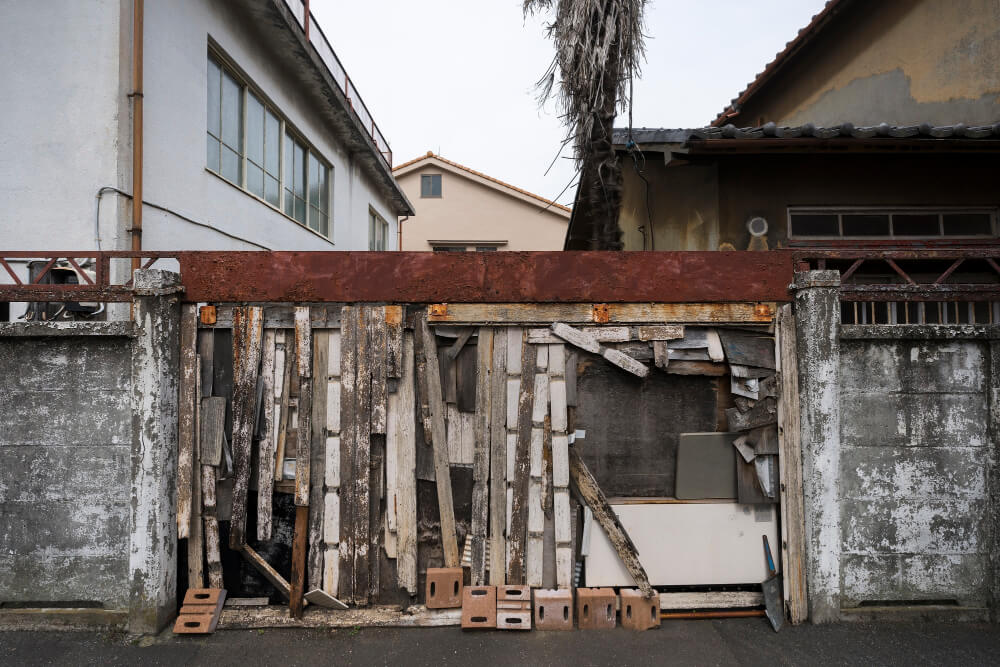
(362, 459)
(536, 517)
(498, 458)
(560, 466)
(790, 470)
(517, 537)
(377, 424)
(303, 358)
(317, 471)
(481, 455)
(266, 445)
(586, 486)
(247, 332)
(298, 578)
(442, 472)
(331, 506)
(196, 540)
(406, 481)
(186, 406)
(348, 434)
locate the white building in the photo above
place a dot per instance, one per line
(252, 135)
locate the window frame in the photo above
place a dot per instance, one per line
(890, 211)
(431, 195)
(376, 220)
(285, 128)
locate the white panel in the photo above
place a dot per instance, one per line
(331, 518)
(540, 406)
(333, 355)
(562, 521)
(332, 467)
(560, 461)
(511, 453)
(333, 406)
(683, 544)
(514, 340)
(557, 398)
(513, 391)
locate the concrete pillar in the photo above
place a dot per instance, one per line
(817, 322)
(153, 534)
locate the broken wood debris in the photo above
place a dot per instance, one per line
(589, 343)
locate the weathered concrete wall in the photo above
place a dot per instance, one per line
(914, 455)
(901, 62)
(64, 453)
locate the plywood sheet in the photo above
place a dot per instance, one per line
(687, 544)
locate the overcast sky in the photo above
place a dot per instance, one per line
(457, 76)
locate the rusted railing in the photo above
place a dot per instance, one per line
(313, 32)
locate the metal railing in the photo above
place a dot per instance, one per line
(314, 33)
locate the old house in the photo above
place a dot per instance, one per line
(459, 209)
(235, 121)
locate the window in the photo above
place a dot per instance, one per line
(486, 248)
(449, 248)
(886, 223)
(378, 231)
(430, 185)
(252, 146)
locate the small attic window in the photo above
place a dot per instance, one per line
(430, 185)
(805, 223)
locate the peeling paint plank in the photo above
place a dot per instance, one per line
(186, 407)
(449, 539)
(406, 481)
(196, 539)
(247, 341)
(517, 537)
(498, 451)
(266, 445)
(348, 435)
(394, 341)
(661, 332)
(604, 334)
(317, 472)
(379, 354)
(210, 518)
(303, 449)
(376, 475)
(362, 458)
(281, 435)
(481, 457)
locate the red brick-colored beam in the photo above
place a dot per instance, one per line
(496, 277)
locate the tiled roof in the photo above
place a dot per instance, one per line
(431, 154)
(644, 135)
(805, 35)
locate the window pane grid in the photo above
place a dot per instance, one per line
(912, 223)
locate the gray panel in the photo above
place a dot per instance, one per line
(706, 466)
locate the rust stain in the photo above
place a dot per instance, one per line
(393, 315)
(602, 314)
(208, 315)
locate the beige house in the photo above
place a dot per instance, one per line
(459, 209)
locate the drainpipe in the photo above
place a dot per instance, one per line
(136, 95)
(399, 230)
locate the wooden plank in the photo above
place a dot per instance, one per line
(589, 343)
(467, 439)
(449, 378)
(465, 372)
(331, 501)
(287, 353)
(406, 481)
(697, 368)
(557, 360)
(453, 430)
(693, 338)
(265, 569)
(711, 600)
(481, 455)
(362, 460)
(394, 341)
(764, 440)
(266, 445)
(379, 353)
(748, 348)
(186, 407)
(587, 489)
(449, 539)
(425, 456)
(715, 351)
(212, 429)
(625, 362)
(278, 316)
(415, 616)
(206, 351)
(303, 445)
(498, 453)
(514, 345)
(298, 578)
(563, 538)
(247, 341)
(536, 523)
(376, 447)
(790, 471)
(605, 334)
(561, 513)
(463, 337)
(661, 332)
(196, 539)
(348, 435)
(571, 362)
(211, 526)
(517, 536)
(661, 354)
(618, 313)
(762, 413)
(317, 450)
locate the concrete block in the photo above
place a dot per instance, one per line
(639, 613)
(913, 526)
(479, 607)
(554, 609)
(911, 472)
(595, 608)
(444, 587)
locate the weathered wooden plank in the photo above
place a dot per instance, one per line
(693, 338)
(790, 470)
(563, 537)
(406, 481)
(618, 313)
(581, 339)
(748, 489)
(331, 504)
(515, 342)
(186, 407)
(281, 435)
(463, 337)
(348, 435)
(212, 429)
(206, 351)
(517, 536)
(453, 430)
(449, 539)
(374, 617)
(467, 439)
(661, 332)
(196, 539)
(317, 451)
(661, 354)
(571, 362)
(303, 445)
(278, 316)
(764, 440)
(587, 488)
(748, 348)
(697, 368)
(605, 334)
(379, 353)
(298, 577)
(763, 412)
(266, 445)
(625, 362)
(265, 569)
(689, 354)
(362, 459)
(425, 456)
(376, 447)
(247, 341)
(715, 351)
(394, 341)
(536, 517)
(449, 378)
(481, 456)
(497, 431)
(211, 525)
(465, 372)
(711, 600)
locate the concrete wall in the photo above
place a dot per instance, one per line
(65, 454)
(706, 203)
(901, 62)
(470, 210)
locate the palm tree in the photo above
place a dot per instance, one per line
(599, 47)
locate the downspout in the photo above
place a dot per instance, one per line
(399, 231)
(136, 95)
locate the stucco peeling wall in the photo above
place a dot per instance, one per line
(914, 456)
(65, 445)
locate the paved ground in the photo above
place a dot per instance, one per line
(723, 642)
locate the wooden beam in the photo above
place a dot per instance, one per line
(463, 338)
(266, 444)
(481, 454)
(587, 488)
(588, 342)
(211, 526)
(303, 449)
(298, 578)
(449, 539)
(317, 452)
(196, 539)
(362, 458)
(497, 432)
(348, 436)
(406, 481)
(262, 566)
(245, 618)
(247, 339)
(286, 354)
(186, 407)
(619, 313)
(790, 470)
(516, 539)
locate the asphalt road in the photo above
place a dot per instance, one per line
(720, 642)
